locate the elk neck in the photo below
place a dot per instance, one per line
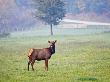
(52, 49)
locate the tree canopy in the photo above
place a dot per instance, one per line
(51, 11)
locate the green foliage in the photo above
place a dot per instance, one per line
(4, 35)
(50, 11)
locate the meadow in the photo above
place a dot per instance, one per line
(83, 56)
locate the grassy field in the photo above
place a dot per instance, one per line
(78, 58)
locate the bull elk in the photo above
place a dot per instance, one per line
(41, 54)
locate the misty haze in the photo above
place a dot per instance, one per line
(79, 29)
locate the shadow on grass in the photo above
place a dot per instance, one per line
(88, 79)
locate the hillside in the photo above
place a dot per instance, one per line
(88, 10)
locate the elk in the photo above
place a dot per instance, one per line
(41, 54)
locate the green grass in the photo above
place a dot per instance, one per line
(80, 58)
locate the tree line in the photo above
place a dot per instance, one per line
(49, 11)
(52, 12)
(80, 6)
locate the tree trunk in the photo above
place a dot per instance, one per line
(51, 29)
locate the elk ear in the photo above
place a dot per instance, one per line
(55, 41)
(48, 41)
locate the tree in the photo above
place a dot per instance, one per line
(4, 28)
(50, 11)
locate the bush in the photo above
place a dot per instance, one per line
(4, 35)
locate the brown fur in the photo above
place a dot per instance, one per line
(41, 54)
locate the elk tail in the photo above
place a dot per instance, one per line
(30, 52)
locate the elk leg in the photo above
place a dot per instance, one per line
(46, 64)
(32, 63)
(29, 64)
